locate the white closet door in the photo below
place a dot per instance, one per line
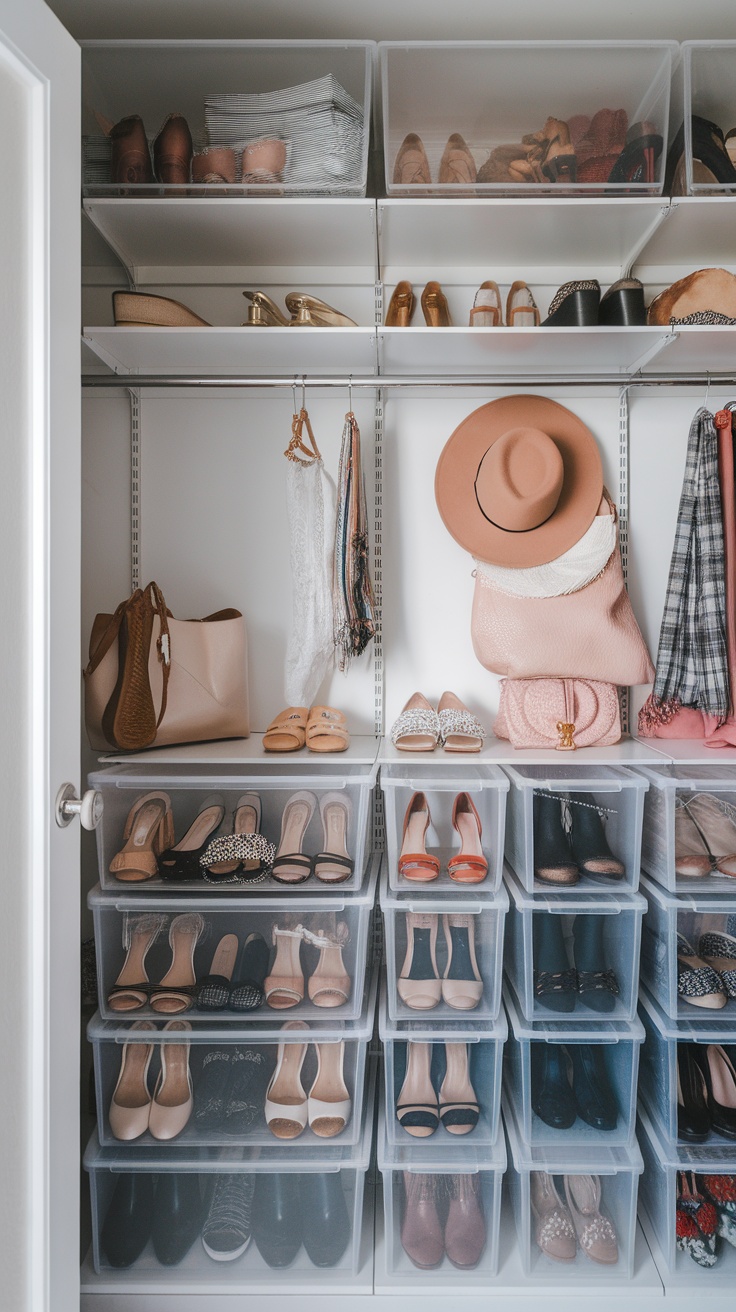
(39, 658)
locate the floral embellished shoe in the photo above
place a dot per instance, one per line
(696, 1222)
(596, 1233)
(555, 1232)
(460, 730)
(697, 983)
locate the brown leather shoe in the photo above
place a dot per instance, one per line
(421, 1232)
(172, 150)
(411, 164)
(465, 1228)
(131, 158)
(434, 306)
(457, 163)
(401, 306)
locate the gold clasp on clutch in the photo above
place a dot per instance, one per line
(566, 732)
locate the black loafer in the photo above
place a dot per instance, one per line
(552, 1097)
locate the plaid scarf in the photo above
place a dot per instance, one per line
(692, 661)
(352, 590)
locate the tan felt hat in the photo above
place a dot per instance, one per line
(704, 290)
(519, 482)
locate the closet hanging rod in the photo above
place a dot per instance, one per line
(196, 382)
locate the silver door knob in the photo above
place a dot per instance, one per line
(88, 807)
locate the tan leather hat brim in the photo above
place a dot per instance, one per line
(457, 467)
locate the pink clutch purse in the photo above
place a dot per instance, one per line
(559, 713)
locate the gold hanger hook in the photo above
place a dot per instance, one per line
(293, 393)
(304, 393)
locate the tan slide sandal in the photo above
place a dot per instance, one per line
(131, 1102)
(469, 865)
(416, 1109)
(173, 1098)
(334, 864)
(329, 1104)
(286, 1099)
(213, 992)
(149, 830)
(459, 1108)
(178, 988)
(285, 985)
(329, 984)
(288, 732)
(327, 730)
(131, 989)
(419, 983)
(462, 984)
(290, 865)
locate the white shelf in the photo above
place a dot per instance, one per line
(597, 237)
(696, 349)
(247, 752)
(498, 752)
(228, 239)
(212, 351)
(698, 232)
(546, 351)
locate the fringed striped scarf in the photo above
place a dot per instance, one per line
(352, 590)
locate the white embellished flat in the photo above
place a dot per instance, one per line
(417, 728)
(460, 730)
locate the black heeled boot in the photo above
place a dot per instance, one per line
(591, 1083)
(589, 844)
(553, 861)
(325, 1222)
(597, 985)
(555, 981)
(552, 1097)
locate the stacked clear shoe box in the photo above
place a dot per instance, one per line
(440, 1150)
(571, 980)
(233, 1090)
(687, 1091)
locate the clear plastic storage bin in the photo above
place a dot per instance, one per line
(568, 1061)
(328, 918)
(595, 940)
(454, 1193)
(467, 936)
(709, 69)
(610, 1180)
(669, 787)
(658, 1207)
(320, 1191)
(324, 127)
(658, 1081)
(245, 1060)
(688, 916)
(617, 791)
(487, 787)
(274, 782)
(483, 1052)
(498, 92)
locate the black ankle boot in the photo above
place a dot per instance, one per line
(555, 981)
(597, 985)
(591, 1085)
(590, 848)
(553, 861)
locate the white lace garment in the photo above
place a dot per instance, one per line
(310, 503)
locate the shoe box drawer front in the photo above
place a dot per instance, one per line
(335, 817)
(684, 1103)
(572, 1085)
(442, 1209)
(682, 1246)
(453, 1066)
(484, 787)
(575, 1211)
(708, 70)
(489, 93)
(577, 957)
(314, 954)
(259, 1222)
(575, 827)
(688, 953)
(306, 1089)
(443, 955)
(689, 835)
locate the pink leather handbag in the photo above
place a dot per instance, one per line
(560, 713)
(589, 634)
